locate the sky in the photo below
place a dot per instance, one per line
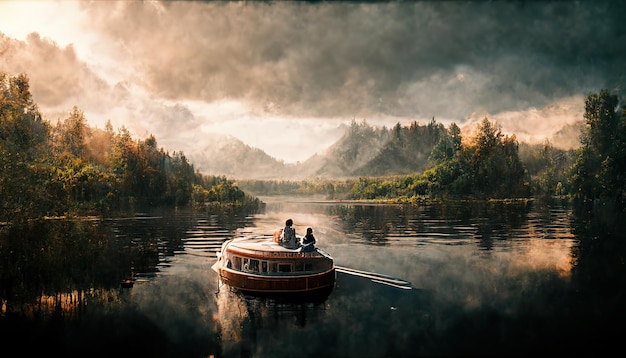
(285, 76)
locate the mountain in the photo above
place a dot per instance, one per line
(370, 151)
(363, 150)
(229, 156)
(355, 150)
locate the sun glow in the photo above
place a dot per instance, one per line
(58, 20)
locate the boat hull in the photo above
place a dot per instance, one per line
(260, 266)
(259, 284)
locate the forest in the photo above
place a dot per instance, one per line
(488, 165)
(67, 168)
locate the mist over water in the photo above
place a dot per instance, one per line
(482, 280)
(459, 261)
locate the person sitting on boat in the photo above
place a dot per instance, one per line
(308, 241)
(289, 238)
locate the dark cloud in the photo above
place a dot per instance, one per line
(264, 72)
(399, 58)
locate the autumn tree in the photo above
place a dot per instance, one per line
(493, 161)
(23, 149)
(487, 166)
(70, 134)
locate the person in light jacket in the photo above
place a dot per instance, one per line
(289, 239)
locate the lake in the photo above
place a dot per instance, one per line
(486, 279)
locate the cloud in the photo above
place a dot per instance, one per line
(358, 58)
(278, 74)
(64, 77)
(555, 123)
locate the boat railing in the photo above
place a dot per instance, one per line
(284, 254)
(280, 274)
(323, 253)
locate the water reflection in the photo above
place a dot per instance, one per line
(458, 223)
(249, 324)
(486, 277)
(154, 240)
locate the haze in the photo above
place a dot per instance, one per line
(284, 76)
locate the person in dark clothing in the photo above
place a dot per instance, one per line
(308, 241)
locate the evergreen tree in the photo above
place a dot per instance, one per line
(599, 174)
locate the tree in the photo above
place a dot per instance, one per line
(72, 133)
(598, 176)
(23, 149)
(490, 165)
(448, 147)
(455, 136)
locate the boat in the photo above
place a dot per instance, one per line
(259, 265)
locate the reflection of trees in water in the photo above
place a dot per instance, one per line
(600, 268)
(369, 221)
(52, 263)
(56, 266)
(60, 282)
(76, 267)
(482, 220)
(548, 311)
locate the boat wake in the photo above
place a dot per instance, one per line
(376, 277)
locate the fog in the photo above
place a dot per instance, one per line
(279, 74)
(464, 300)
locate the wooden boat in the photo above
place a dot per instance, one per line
(259, 265)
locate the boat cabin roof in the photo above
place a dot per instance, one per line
(259, 244)
(266, 247)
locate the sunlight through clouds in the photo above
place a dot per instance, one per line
(288, 77)
(59, 20)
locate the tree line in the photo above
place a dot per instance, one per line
(490, 164)
(66, 168)
(440, 165)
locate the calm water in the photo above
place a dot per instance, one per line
(480, 276)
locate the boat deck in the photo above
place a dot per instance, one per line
(259, 243)
(264, 246)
